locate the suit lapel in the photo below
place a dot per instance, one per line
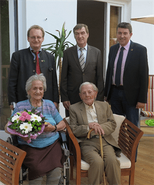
(41, 59)
(114, 54)
(88, 55)
(129, 55)
(83, 113)
(98, 111)
(75, 56)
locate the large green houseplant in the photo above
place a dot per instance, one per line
(57, 48)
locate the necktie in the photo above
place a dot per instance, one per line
(81, 59)
(37, 64)
(118, 69)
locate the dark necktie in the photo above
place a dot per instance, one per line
(81, 59)
(38, 71)
(118, 69)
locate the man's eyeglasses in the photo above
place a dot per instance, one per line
(33, 37)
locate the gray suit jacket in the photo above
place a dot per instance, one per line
(72, 76)
(79, 122)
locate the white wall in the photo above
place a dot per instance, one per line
(143, 32)
(49, 14)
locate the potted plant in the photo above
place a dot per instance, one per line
(58, 47)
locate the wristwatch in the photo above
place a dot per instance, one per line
(55, 128)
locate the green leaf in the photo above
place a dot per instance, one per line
(60, 44)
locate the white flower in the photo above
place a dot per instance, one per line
(26, 126)
(35, 117)
(15, 118)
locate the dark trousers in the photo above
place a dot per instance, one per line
(120, 105)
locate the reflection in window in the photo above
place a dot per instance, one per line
(115, 19)
(4, 63)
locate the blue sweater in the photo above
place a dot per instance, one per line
(52, 116)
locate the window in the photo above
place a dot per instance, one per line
(115, 19)
(4, 62)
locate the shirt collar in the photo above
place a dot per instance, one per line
(87, 106)
(126, 46)
(78, 48)
(32, 49)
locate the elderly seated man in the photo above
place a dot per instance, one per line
(97, 115)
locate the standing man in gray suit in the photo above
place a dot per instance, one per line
(81, 63)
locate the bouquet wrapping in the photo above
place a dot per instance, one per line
(26, 124)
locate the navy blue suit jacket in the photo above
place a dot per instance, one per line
(135, 78)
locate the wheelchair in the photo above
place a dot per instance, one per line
(64, 180)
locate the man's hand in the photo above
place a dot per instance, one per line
(66, 104)
(11, 107)
(140, 105)
(97, 128)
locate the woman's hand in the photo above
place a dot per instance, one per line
(25, 138)
(49, 127)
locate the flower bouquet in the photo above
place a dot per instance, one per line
(26, 124)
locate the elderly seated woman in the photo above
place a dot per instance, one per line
(44, 154)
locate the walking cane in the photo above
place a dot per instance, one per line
(101, 147)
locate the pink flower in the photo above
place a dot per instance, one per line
(25, 116)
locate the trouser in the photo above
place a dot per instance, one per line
(120, 105)
(52, 178)
(90, 150)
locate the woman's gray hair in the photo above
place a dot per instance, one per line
(39, 77)
(88, 83)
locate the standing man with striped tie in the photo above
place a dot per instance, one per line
(81, 63)
(27, 62)
(127, 75)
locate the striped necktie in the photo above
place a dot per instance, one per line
(82, 59)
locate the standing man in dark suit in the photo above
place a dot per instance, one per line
(126, 85)
(27, 62)
(80, 63)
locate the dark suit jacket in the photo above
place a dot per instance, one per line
(72, 76)
(23, 66)
(79, 122)
(135, 79)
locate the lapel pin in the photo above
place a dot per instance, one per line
(131, 49)
(42, 60)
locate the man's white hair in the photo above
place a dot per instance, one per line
(88, 83)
